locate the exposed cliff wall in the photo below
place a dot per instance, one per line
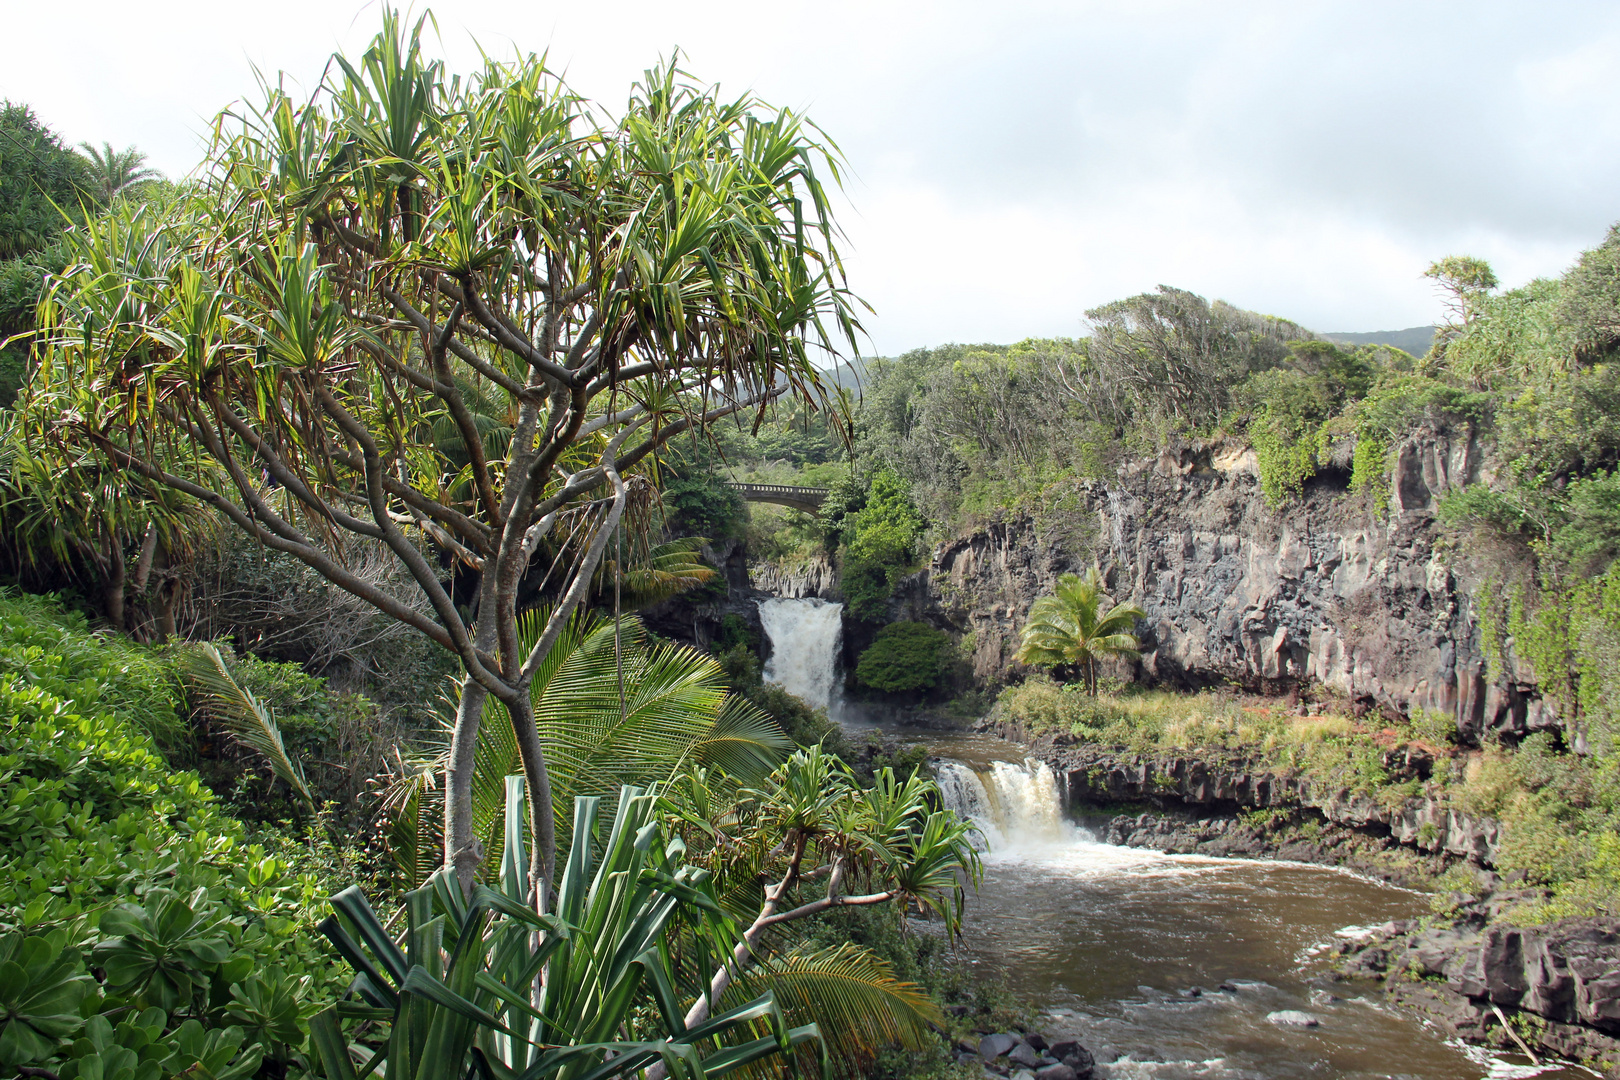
(814, 577)
(1331, 588)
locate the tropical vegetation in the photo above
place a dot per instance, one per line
(904, 657)
(455, 317)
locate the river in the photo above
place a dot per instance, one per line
(1165, 966)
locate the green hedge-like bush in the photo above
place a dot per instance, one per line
(141, 934)
(905, 656)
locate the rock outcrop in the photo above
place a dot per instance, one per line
(1332, 588)
(814, 577)
(1558, 984)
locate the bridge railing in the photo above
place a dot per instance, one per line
(779, 489)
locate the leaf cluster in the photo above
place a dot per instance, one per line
(903, 657)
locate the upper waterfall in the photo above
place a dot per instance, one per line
(805, 636)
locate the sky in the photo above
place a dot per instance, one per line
(1014, 164)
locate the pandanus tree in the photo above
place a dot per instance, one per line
(281, 344)
(1071, 629)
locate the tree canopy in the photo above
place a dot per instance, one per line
(42, 182)
(456, 316)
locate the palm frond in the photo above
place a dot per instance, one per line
(742, 742)
(676, 710)
(248, 720)
(1070, 627)
(666, 570)
(855, 999)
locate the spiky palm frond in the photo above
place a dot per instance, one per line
(853, 997)
(117, 172)
(249, 721)
(1070, 627)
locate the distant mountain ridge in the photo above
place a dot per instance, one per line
(1415, 340)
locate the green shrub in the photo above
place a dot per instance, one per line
(53, 649)
(1287, 454)
(905, 656)
(701, 504)
(801, 723)
(880, 542)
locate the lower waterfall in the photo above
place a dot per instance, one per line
(805, 636)
(1014, 806)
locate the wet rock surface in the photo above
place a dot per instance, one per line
(1558, 984)
(813, 577)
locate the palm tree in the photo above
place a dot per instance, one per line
(1070, 628)
(117, 172)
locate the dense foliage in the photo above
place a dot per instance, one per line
(44, 184)
(141, 931)
(449, 311)
(903, 657)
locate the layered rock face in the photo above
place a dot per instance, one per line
(1330, 588)
(1098, 777)
(1462, 977)
(1214, 786)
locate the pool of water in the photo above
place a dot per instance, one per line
(1165, 966)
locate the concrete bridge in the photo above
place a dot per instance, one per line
(798, 498)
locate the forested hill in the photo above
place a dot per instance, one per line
(1414, 339)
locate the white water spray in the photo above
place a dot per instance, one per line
(1019, 813)
(804, 635)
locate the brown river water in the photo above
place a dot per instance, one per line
(1174, 966)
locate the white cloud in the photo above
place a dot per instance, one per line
(1015, 164)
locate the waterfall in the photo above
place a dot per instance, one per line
(1014, 806)
(804, 635)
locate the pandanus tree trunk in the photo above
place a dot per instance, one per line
(112, 588)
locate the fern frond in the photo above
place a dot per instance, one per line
(248, 720)
(853, 995)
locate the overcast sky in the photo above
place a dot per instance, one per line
(1014, 164)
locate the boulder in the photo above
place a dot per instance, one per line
(1025, 1055)
(1056, 1072)
(1036, 1040)
(994, 1046)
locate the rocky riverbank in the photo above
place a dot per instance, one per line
(1232, 803)
(1553, 989)
(1027, 1056)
